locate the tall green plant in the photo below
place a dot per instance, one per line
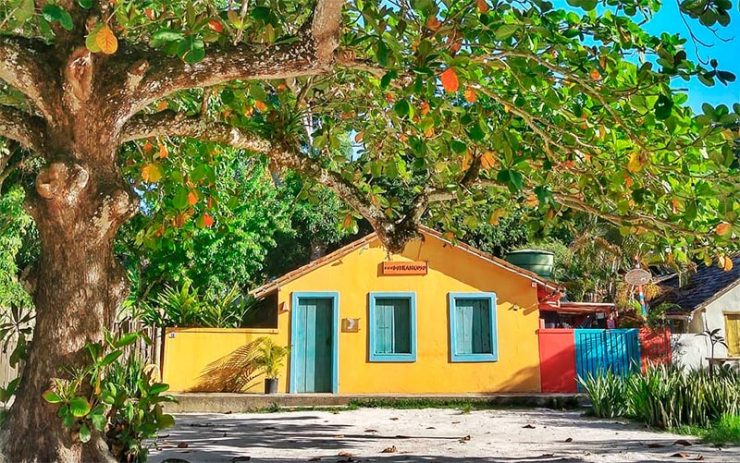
(666, 397)
(607, 393)
(271, 357)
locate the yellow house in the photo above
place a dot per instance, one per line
(439, 318)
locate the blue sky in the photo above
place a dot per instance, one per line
(727, 53)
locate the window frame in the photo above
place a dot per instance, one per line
(372, 318)
(493, 326)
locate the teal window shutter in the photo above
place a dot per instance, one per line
(392, 327)
(473, 327)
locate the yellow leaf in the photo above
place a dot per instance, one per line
(532, 201)
(429, 131)
(496, 216)
(637, 162)
(106, 40)
(723, 228)
(151, 173)
(260, 105)
(470, 95)
(482, 6)
(488, 160)
(162, 105)
(347, 222)
(728, 264)
(595, 74)
(147, 147)
(163, 153)
(466, 161)
(359, 137)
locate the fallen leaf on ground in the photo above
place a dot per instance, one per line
(182, 445)
(345, 453)
(394, 419)
(683, 442)
(391, 449)
(698, 458)
(680, 455)
(528, 426)
(570, 439)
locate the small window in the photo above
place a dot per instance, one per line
(473, 327)
(392, 327)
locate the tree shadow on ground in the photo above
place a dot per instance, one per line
(220, 438)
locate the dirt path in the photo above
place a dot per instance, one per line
(429, 435)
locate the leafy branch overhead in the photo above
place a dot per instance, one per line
(449, 104)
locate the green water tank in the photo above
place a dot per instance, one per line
(534, 260)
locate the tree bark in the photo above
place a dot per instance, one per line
(79, 285)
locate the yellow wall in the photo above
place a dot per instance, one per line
(357, 274)
(196, 359)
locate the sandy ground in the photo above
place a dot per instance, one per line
(428, 435)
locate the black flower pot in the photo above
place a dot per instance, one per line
(271, 386)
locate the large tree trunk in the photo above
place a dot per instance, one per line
(78, 286)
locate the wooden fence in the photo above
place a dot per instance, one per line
(148, 353)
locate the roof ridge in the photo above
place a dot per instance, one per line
(348, 248)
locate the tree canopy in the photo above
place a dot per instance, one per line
(115, 107)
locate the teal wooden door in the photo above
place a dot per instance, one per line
(313, 344)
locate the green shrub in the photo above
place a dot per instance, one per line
(665, 396)
(724, 431)
(607, 393)
(111, 399)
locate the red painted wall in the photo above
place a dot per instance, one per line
(655, 347)
(557, 360)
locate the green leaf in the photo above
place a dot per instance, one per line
(511, 178)
(56, 13)
(84, 433)
(52, 397)
(97, 417)
(192, 50)
(110, 358)
(506, 31)
(167, 35)
(165, 421)
(663, 107)
(87, 4)
(126, 339)
(79, 406)
(261, 13)
(402, 108)
(24, 10)
(158, 388)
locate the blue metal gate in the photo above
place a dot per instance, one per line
(599, 351)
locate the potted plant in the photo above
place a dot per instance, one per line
(270, 360)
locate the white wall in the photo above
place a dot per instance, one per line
(690, 350)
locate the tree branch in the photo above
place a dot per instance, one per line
(22, 127)
(169, 123)
(23, 67)
(312, 53)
